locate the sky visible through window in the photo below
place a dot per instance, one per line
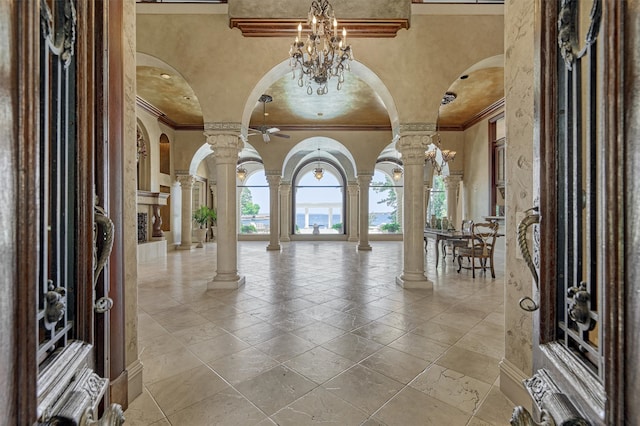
(323, 190)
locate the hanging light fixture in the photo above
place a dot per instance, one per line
(318, 173)
(396, 173)
(241, 172)
(446, 156)
(324, 53)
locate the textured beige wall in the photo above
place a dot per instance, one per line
(476, 172)
(223, 67)
(354, 9)
(129, 199)
(519, 113)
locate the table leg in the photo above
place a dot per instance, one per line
(437, 252)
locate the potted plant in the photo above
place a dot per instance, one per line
(202, 216)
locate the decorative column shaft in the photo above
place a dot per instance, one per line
(226, 144)
(274, 209)
(352, 190)
(452, 184)
(364, 180)
(186, 185)
(412, 146)
(285, 211)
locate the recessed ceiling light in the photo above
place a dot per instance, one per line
(266, 114)
(187, 98)
(165, 76)
(464, 77)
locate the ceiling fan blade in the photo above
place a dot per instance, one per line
(265, 137)
(281, 135)
(272, 130)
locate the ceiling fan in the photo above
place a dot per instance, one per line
(265, 130)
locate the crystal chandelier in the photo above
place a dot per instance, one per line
(431, 156)
(324, 53)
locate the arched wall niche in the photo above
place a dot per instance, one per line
(165, 154)
(143, 155)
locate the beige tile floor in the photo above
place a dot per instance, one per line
(320, 333)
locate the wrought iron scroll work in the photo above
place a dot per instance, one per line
(527, 303)
(59, 40)
(567, 33)
(554, 407)
(104, 229)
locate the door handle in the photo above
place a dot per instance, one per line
(527, 303)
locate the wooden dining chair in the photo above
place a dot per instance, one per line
(483, 242)
(455, 244)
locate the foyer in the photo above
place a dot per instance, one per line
(320, 332)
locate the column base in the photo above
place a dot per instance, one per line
(511, 384)
(365, 247)
(353, 239)
(284, 238)
(184, 247)
(271, 247)
(220, 282)
(135, 386)
(417, 282)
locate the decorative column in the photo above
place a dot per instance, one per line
(412, 145)
(273, 177)
(452, 184)
(186, 185)
(225, 142)
(285, 211)
(352, 213)
(363, 181)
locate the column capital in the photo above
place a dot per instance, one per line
(452, 181)
(186, 181)
(352, 188)
(222, 127)
(273, 179)
(225, 142)
(364, 178)
(425, 128)
(285, 186)
(412, 147)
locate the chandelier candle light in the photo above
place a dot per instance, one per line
(324, 53)
(445, 157)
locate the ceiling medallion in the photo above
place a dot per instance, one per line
(448, 98)
(324, 53)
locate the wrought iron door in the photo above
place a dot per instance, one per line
(579, 319)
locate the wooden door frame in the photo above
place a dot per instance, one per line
(19, 35)
(19, 141)
(615, 367)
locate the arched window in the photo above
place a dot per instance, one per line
(437, 199)
(385, 202)
(319, 203)
(253, 199)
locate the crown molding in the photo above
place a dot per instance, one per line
(484, 114)
(162, 117)
(262, 27)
